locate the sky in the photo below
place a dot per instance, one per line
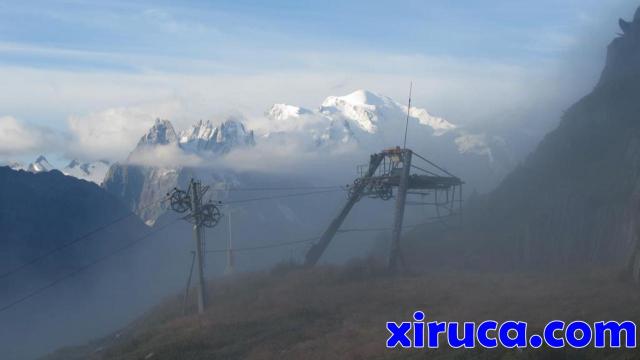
(86, 79)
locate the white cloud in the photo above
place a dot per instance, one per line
(167, 156)
(107, 112)
(113, 133)
(17, 137)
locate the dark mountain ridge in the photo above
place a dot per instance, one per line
(571, 202)
(44, 211)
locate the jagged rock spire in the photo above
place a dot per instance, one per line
(161, 133)
(206, 137)
(623, 54)
(627, 26)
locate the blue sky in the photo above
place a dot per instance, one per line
(225, 32)
(67, 65)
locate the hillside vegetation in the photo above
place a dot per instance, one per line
(340, 313)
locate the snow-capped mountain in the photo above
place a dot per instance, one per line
(309, 128)
(40, 165)
(373, 113)
(15, 165)
(283, 112)
(206, 137)
(161, 133)
(361, 121)
(356, 123)
(203, 138)
(90, 171)
(144, 179)
(367, 118)
(373, 121)
(370, 122)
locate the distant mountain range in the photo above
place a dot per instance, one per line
(362, 117)
(361, 120)
(202, 139)
(372, 121)
(89, 171)
(205, 137)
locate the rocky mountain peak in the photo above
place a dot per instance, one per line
(94, 171)
(281, 112)
(374, 113)
(233, 131)
(362, 107)
(73, 163)
(205, 136)
(365, 97)
(161, 133)
(16, 165)
(40, 165)
(623, 54)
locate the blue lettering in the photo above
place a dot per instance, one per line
(520, 338)
(615, 334)
(585, 337)
(418, 330)
(483, 334)
(468, 339)
(549, 334)
(398, 334)
(435, 328)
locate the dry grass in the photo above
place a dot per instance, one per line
(340, 312)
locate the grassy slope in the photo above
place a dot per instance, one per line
(336, 313)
